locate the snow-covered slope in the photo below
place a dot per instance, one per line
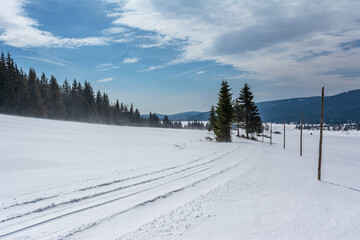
(61, 180)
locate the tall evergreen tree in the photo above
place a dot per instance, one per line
(137, 117)
(65, 92)
(44, 91)
(10, 85)
(56, 105)
(99, 106)
(107, 113)
(3, 79)
(36, 108)
(225, 114)
(117, 113)
(23, 105)
(88, 102)
(246, 111)
(166, 122)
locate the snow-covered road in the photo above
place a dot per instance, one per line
(61, 180)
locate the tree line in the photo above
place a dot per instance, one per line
(27, 94)
(242, 112)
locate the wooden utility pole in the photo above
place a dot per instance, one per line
(301, 134)
(284, 134)
(270, 133)
(321, 133)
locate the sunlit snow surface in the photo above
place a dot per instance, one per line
(67, 180)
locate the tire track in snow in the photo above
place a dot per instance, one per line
(76, 200)
(111, 182)
(136, 184)
(146, 202)
(162, 196)
(97, 205)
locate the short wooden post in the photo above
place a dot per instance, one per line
(301, 133)
(321, 134)
(257, 133)
(284, 134)
(270, 133)
(263, 132)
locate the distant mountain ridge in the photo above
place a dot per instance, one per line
(340, 108)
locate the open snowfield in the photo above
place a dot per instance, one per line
(67, 180)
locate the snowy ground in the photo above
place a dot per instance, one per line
(66, 180)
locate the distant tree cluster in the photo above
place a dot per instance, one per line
(243, 112)
(331, 127)
(37, 96)
(166, 123)
(196, 125)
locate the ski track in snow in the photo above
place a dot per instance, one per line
(185, 168)
(111, 183)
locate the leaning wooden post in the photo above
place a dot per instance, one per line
(321, 133)
(284, 134)
(301, 134)
(270, 133)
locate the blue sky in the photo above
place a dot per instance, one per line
(171, 56)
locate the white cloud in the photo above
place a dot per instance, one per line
(201, 72)
(105, 79)
(152, 68)
(114, 30)
(130, 60)
(46, 60)
(278, 41)
(19, 30)
(106, 67)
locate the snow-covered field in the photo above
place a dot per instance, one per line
(67, 180)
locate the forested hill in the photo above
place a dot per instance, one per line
(340, 108)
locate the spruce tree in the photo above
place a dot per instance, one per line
(137, 117)
(66, 92)
(225, 114)
(99, 107)
(116, 113)
(36, 108)
(212, 119)
(246, 111)
(44, 91)
(56, 105)
(3, 79)
(88, 102)
(166, 122)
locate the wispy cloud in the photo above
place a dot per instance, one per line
(105, 79)
(130, 60)
(152, 68)
(17, 29)
(201, 72)
(106, 67)
(114, 30)
(59, 63)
